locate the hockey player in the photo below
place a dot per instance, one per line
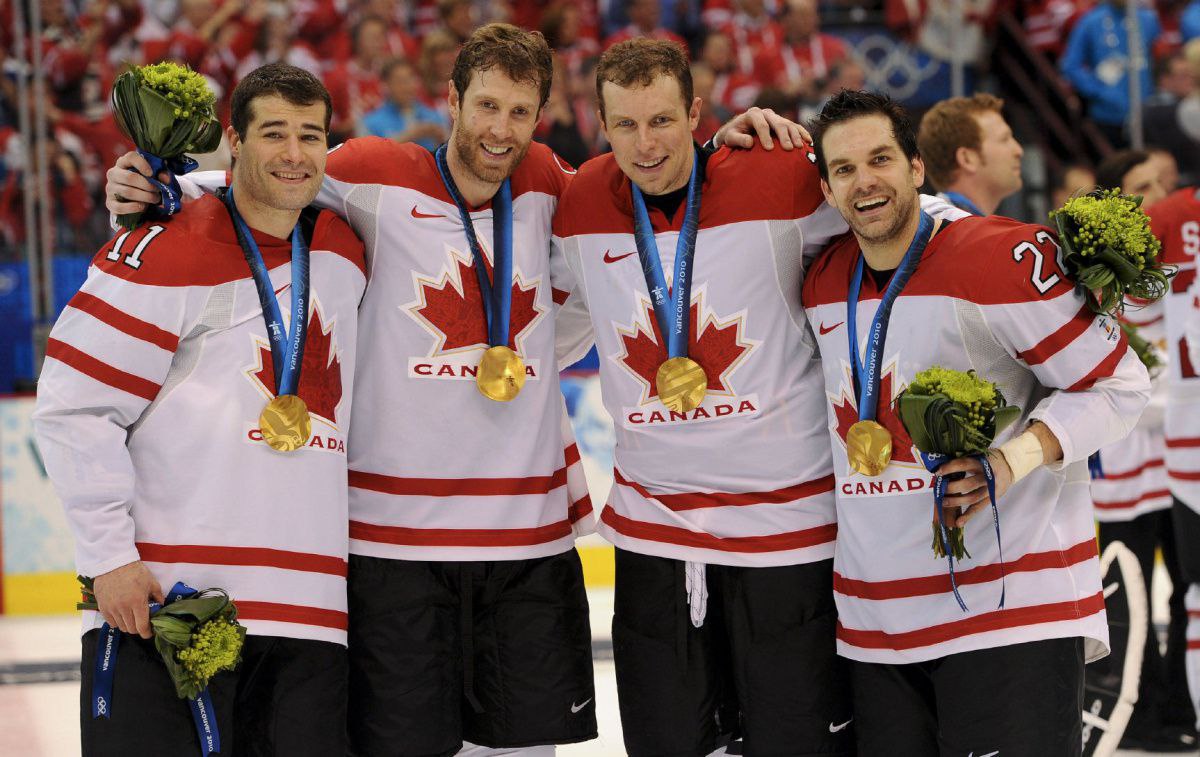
(148, 419)
(927, 676)
(1176, 222)
(1133, 504)
(970, 152)
(469, 611)
(722, 506)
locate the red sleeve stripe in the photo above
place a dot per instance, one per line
(1178, 443)
(123, 322)
(924, 586)
(300, 614)
(698, 500)
(560, 296)
(1180, 475)
(580, 509)
(571, 455)
(809, 537)
(1193, 644)
(458, 487)
(460, 537)
(201, 554)
(1128, 504)
(1104, 369)
(1050, 346)
(102, 372)
(1142, 324)
(1155, 463)
(996, 620)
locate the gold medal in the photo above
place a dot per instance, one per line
(285, 423)
(681, 384)
(501, 374)
(869, 447)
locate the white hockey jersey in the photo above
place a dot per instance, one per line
(988, 295)
(1135, 469)
(147, 418)
(438, 471)
(745, 478)
(1176, 222)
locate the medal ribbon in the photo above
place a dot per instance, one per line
(287, 350)
(866, 370)
(497, 290)
(933, 462)
(960, 201)
(674, 319)
(204, 715)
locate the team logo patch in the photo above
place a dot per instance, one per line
(320, 380)
(449, 306)
(717, 344)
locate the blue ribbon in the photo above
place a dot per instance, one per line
(287, 351)
(169, 192)
(674, 319)
(496, 290)
(960, 201)
(1095, 467)
(866, 371)
(933, 462)
(204, 715)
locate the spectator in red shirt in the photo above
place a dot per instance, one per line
(731, 89)
(753, 34)
(643, 22)
(806, 57)
(562, 28)
(355, 86)
(438, 51)
(712, 115)
(458, 18)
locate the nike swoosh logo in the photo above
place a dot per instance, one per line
(989, 754)
(418, 214)
(835, 728)
(577, 707)
(825, 331)
(610, 258)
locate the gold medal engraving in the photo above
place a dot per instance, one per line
(285, 423)
(681, 384)
(869, 447)
(501, 374)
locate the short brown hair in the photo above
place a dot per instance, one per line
(522, 56)
(948, 126)
(295, 85)
(639, 62)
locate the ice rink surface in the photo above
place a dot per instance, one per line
(40, 719)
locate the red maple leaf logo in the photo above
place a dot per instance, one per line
(715, 346)
(847, 415)
(320, 371)
(454, 307)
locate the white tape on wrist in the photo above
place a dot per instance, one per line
(1022, 453)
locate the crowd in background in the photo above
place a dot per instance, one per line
(387, 63)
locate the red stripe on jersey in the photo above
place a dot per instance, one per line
(1184, 475)
(698, 500)
(1155, 463)
(559, 296)
(123, 322)
(202, 554)
(1051, 345)
(459, 537)
(1103, 369)
(308, 616)
(1193, 644)
(989, 621)
(580, 509)
(101, 371)
(940, 584)
(1127, 503)
(571, 455)
(1185, 442)
(456, 487)
(809, 537)
(1142, 324)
